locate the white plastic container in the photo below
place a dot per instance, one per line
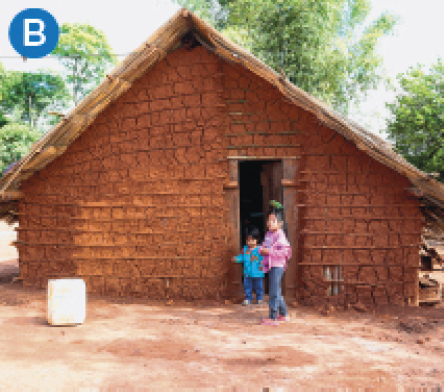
(66, 301)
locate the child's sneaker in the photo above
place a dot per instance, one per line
(246, 302)
(260, 302)
(269, 322)
(283, 318)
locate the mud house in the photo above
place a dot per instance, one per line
(144, 188)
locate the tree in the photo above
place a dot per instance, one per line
(86, 55)
(3, 90)
(15, 141)
(327, 48)
(27, 96)
(417, 126)
(210, 10)
(3, 119)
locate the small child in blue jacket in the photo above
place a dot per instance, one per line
(253, 273)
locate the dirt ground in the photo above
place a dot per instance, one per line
(129, 343)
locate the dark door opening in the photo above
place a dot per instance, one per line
(259, 182)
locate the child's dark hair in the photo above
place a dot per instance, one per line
(278, 212)
(253, 232)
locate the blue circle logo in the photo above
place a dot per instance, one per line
(34, 33)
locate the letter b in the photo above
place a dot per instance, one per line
(33, 33)
(28, 32)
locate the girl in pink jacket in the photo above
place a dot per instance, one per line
(276, 251)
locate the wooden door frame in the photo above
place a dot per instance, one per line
(290, 168)
(289, 177)
(232, 239)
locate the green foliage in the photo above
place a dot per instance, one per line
(210, 10)
(3, 90)
(275, 204)
(26, 97)
(327, 48)
(417, 126)
(3, 119)
(15, 141)
(86, 55)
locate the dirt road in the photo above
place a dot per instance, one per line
(144, 344)
(135, 343)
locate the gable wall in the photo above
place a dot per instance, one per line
(353, 211)
(135, 205)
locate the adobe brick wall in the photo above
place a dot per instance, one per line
(358, 215)
(353, 211)
(136, 204)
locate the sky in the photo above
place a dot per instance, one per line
(418, 37)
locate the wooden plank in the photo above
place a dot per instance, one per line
(360, 206)
(265, 192)
(260, 158)
(262, 133)
(96, 204)
(12, 195)
(327, 264)
(366, 218)
(263, 146)
(289, 175)
(285, 182)
(232, 218)
(231, 185)
(277, 181)
(416, 286)
(363, 247)
(152, 233)
(380, 283)
(363, 234)
(98, 219)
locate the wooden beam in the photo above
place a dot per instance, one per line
(231, 185)
(288, 182)
(241, 147)
(12, 195)
(263, 158)
(232, 233)
(289, 178)
(44, 156)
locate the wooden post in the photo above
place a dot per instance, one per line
(232, 204)
(416, 298)
(289, 180)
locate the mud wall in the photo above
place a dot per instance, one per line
(358, 230)
(136, 204)
(361, 224)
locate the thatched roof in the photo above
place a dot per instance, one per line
(165, 40)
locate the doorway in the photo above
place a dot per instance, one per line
(259, 182)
